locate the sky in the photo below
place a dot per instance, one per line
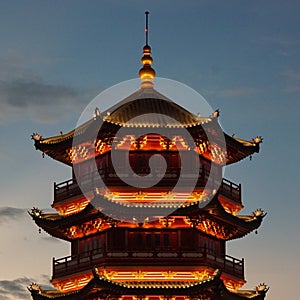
(242, 56)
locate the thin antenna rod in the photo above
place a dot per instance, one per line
(146, 28)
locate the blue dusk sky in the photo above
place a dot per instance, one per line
(242, 56)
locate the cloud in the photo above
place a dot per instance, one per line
(282, 44)
(11, 213)
(17, 289)
(26, 95)
(28, 92)
(292, 80)
(37, 99)
(232, 92)
(291, 74)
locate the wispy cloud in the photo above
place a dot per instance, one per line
(292, 80)
(29, 92)
(291, 74)
(25, 95)
(17, 289)
(232, 92)
(11, 213)
(282, 44)
(37, 99)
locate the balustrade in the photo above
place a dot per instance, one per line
(70, 188)
(201, 256)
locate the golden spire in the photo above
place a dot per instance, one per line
(146, 73)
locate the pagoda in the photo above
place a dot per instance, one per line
(156, 241)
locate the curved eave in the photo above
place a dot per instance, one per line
(244, 224)
(214, 211)
(239, 149)
(56, 147)
(63, 138)
(101, 286)
(54, 224)
(236, 150)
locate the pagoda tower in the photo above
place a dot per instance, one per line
(156, 242)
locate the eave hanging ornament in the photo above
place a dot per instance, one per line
(146, 73)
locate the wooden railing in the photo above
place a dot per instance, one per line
(70, 188)
(88, 260)
(231, 190)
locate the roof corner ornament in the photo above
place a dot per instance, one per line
(35, 136)
(36, 212)
(258, 140)
(147, 73)
(259, 213)
(34, 288)
(262, 288)
(215, 114)
(217, 273)
(97, 113)
(96, 272)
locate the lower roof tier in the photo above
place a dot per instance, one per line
(99, 286)
(212, 220)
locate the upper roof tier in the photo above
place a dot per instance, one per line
(149, 108)
(146, 108)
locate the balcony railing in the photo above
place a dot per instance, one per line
(70, 188)
(231, 190)
(88, 260)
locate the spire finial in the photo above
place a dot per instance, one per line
(146, 73)
(146, 27)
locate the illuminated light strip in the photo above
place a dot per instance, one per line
(72, 284)
(129, 139)
(160, 275)
(77, 283)
(233, 286)
(147, 196)
(72, 208)
(231, 207)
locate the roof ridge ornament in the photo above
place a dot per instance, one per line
(147, 73)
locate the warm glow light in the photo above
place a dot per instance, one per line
(153, 199)
(101, 146)
(142, 278)
(71, 207)
(73, 283)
